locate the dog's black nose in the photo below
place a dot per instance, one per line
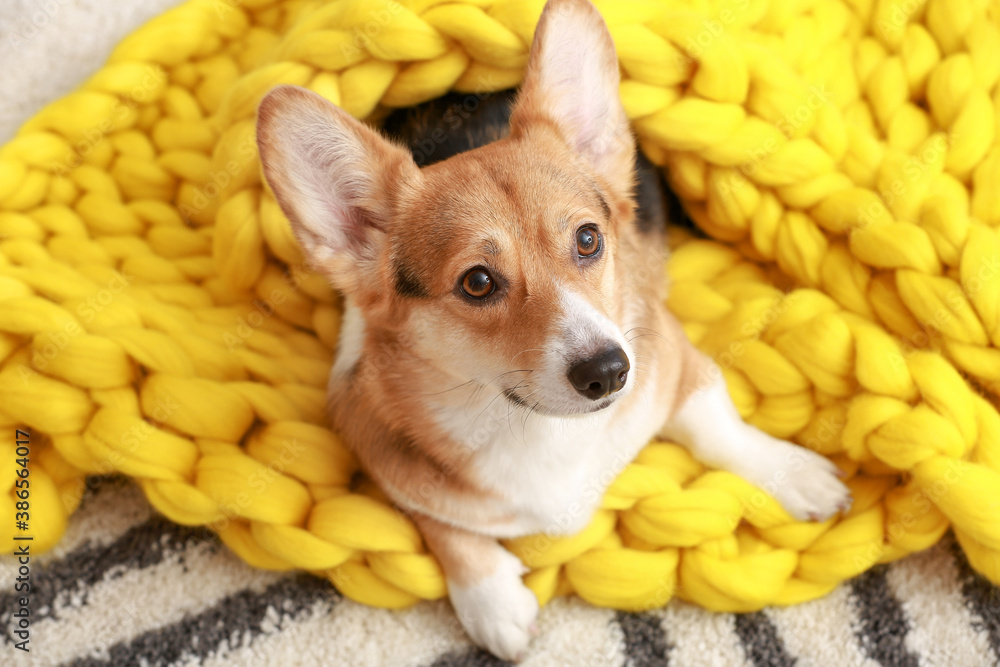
(600, 375)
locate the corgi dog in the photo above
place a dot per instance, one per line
(504, 341)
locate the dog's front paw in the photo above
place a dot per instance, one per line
(499, 611)
(806, 484)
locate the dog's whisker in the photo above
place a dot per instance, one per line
(527, 413)
(533, 349)
(510, 427)
(445, 391)
(524, 425)
(513, 407)
(519, 370)
(474, 395)
(486, 408)
(649, 332)
(516, 370)
(658, 335)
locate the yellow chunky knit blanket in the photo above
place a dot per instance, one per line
(156, 317)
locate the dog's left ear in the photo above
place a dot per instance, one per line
(572, 81)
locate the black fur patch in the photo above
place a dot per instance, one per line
(452, 124)
(651, 197)
(408, 285)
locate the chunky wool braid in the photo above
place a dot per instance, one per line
(158, 320)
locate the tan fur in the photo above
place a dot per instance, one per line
(525, 195)
(397, 241)
(522, 177)
(465, 556)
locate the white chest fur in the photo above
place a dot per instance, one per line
(552, 472)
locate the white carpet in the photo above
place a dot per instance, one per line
(49, 47)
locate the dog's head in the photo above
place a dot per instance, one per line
(500, 264)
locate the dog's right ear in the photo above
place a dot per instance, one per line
(334, 178)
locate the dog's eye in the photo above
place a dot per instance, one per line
(478, 283)
(588, 241)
